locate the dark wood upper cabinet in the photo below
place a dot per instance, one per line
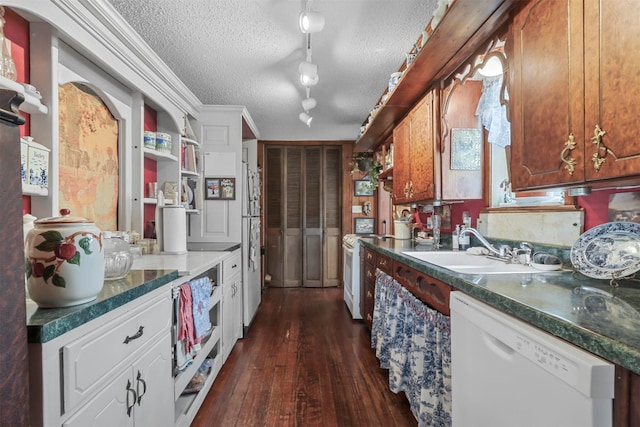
(414, 144)
(574, 86)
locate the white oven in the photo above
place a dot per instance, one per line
(351, 273)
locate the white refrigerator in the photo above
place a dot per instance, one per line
(251, 283)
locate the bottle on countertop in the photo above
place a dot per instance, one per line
(454, 238)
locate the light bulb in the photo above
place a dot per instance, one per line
(305, 118)
(311, 22)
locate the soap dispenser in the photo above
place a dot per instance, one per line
(454, 239)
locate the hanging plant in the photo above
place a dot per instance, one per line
(374, 172)
(361, 162)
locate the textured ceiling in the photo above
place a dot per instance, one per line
(247, 52)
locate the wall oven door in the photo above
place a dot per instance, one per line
(351, 274)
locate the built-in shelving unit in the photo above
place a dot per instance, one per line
(190, 167)
(465, 26)
(187, 403)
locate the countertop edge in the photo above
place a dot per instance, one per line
(75, 316)
(608, 348)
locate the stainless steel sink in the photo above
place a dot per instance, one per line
(463, 262)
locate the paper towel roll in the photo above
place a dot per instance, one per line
(174, 229)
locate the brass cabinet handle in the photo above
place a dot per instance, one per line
(406, 189)
(599, 157)
(569, 145)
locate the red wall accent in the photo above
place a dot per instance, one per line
(596, 206)
(16, 30)
(150, 165)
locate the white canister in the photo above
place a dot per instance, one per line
(24, 159)
(402, 230)
(64, 261)
(149, 139)
(37, 164)
(163, 142)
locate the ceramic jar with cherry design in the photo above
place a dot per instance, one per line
(64, 261)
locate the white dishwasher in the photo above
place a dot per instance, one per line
(507, 373)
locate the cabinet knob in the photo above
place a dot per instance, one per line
(569, 145)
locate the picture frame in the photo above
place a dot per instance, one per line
(466, 149)
(220, 188)
(362, 187)
(364, 225)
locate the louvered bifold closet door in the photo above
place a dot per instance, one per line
(274, 214)
(322, 235)
(293, 218)
(332, 271)
(302, 209)
(313, 217)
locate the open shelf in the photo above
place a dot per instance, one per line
(158, 155)
(31, 104)
(34, 190)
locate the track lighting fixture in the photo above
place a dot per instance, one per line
(311, 22)
(308, 73)
(308, 104)
(305, 118)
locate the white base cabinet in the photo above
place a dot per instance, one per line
(136, 397)
(113, 370)
(231, 302)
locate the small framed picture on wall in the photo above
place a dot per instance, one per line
(363, 225)
(220, 188)
(363, 187)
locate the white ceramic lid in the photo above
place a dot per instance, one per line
(64, 218)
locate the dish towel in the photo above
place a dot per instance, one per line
(186, 337)
(200, 293)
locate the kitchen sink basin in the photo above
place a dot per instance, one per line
(463, 262)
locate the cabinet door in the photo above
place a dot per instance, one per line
(547, 94)
(422, 146)
(228, 329)
(401, 159)
(154, 386)
(612, 87)
(140, 395)
(109, 406)
(237, 309)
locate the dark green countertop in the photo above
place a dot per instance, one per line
(45, 324)
(586, 312)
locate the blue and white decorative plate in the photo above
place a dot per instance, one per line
(608, 251)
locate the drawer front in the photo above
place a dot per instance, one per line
(384, 263)
(432, 292)
(369, 273)
(231, 266)
(369, 302)
(369, 256)
(89, 362)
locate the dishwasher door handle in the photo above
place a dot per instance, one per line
(499, 347)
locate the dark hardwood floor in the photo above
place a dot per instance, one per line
(304, 362)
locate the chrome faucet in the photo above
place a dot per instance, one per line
(485, 242)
